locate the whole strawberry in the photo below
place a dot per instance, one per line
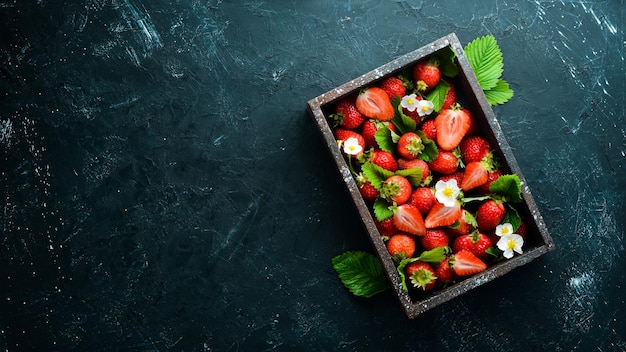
(367, 190)
(445, 163)
(369, 129)
(489, 215)
(426, 75)
(445, 273)
(476, 243)
(409, 145)
(396, 190)
(430, 129)
(421, 276)
(423, 198)
(404, 164)
(401, 246)
(474, 148)
(393, 86)
(342, 134)
(491, 177)
(346, 115)
(386, 227)
(450, 98)
(434, 238)
(457, 176)
(384, 159)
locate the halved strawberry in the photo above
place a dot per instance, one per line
(452, 125)
(396, 189)
(374, 103)
(464, 263)
(408, 218)
(440, 215)
(475, 175)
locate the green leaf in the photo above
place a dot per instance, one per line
(438, 95)
(485, 57)
(430, 151)
(446, 62)
(375, 174)
(414, 175)
(435, 255)
(361, 273)
(382, 209)
(402, 122)
(508, 186)
(401, 266)
(512, 217)
(499, 94)
(384, 139)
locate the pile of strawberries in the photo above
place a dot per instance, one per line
(402, 149)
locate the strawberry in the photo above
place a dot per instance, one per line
(474, 148)
(386, 227)
(401, 246)
(423, 198)
(426, 75)
(434, 238)
(491, 176)
(384, 159)
(441, 215)
(421, 275)
(430, 129)
(445, 163)
(457, 176)
(450, 98)
(476, 242)
(393, 86)
(408, 218)
(445, 273)
(369, 129)
(343, 134)
(464, 263)
(521, 230)
(346, 115)
(409, 146)
(374, 103)
(452, 125)
(464, 225)
(396, 189)
(489, 215)
(367, 190)
(475, 175)
(474, 128)
(404, 164)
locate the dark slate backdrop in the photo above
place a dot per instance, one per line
(163, 187)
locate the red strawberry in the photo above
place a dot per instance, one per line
(452, 125)
(445, 163)
(401, 246)
(386, 227)
(441, 215)
(426, 75)
(464, 263)
(430, 129)
(407, 218)
(475, 175)
(404, 164)
(464, 225)
(489, 215)
(346, 115)
(474, 128)
(384, 159)
(450, 98)
(421, 275)
(491, 176)
(423, 199)
(369, 129)
(445, 273)
(434, 238)
(457, 176)
(343, 135)
(367, 190)
(396, 189)
(477, 243)
(409, 146)
(474, 148)
(393, 86)
(374, 103)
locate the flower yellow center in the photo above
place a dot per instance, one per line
(448, 192)
(411, 101)
(505, 230)
(511, 245)
(424, 108)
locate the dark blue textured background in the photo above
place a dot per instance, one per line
(163, 187)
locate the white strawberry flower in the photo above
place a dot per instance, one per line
(351, 146)
(446, 192)
(504, 229)
(410, 102)
(510, 243)
(425, 107)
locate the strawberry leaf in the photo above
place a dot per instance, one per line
(375, 174)
(485, 57)
(384, 139)
(414, 175)
(499, 94)
(435, 255)
(382, 209)
(438, 95)
(509, 187)
(446, 62)
(512, 217)
(361, 273)
(401, 266)
(430, 148)
(402, 122)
